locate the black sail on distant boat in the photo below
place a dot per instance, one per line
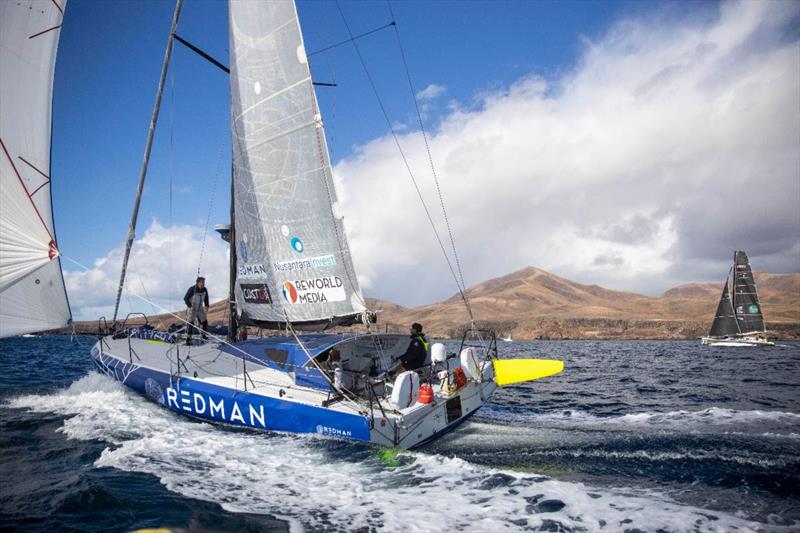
(745, 297)
(725, 324)
(738, 321)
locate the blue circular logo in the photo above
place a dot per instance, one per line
(752, 309)
(297, 245)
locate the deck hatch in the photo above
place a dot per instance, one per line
(453, 409)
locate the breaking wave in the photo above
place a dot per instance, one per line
(320, 484)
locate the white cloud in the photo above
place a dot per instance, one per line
(670, 144)
(431, 92)
(163, 264)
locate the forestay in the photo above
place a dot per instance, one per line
(32, 293)
(745, 297)
(293, 258)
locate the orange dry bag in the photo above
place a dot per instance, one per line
(459, 378)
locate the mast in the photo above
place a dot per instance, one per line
(233, 326)
(732, 276)
(143, 172)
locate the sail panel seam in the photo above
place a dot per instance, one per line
(44, 31)
(273, 95)
(22, 182)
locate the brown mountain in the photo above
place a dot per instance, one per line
(533, 303)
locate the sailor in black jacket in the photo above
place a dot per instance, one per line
(196, 299)
(417, 351)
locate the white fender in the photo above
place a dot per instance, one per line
(438, 355)
(406, 389)
(470, 363)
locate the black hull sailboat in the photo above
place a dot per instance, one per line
(739, 320)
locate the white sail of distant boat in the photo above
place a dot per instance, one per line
(32, 292)
(294, 263)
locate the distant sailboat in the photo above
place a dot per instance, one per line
(738, 321)
(32, 293)
(508, 339)
(291, 268)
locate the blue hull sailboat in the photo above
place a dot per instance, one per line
(291, 270)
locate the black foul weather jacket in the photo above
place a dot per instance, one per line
(416, 353)
(191, 292)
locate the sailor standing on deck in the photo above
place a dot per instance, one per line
(196, 299)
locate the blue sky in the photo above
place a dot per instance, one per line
(108, 65)
(602, 141)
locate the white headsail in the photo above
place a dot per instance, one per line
(32, 293)
(293, 258)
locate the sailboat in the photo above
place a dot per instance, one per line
(32, 293)
(290, 262)
(739, 320)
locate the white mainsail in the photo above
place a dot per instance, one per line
(293, 258)
(32, 293)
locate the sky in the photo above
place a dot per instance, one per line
(630, 144)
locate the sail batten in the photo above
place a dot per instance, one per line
(32, 293)
(293, 260)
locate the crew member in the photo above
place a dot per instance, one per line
(417, 351)
(196, 299)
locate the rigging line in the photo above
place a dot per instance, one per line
(352, 38)
(326, 176)
(427, 148)
(217, 172)
(171, 171)
(146, 159)
(347, 395)
(141, 282)
(405, 161)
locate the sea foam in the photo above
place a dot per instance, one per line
(334, 486)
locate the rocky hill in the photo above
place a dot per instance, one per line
(533, 303)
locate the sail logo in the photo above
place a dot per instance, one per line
(216, 409)
(314, 290)
(334, 432)
(297, 245)
(243, 249)
(251, 270)
(256, 293)
(305, 264)
(289, 292)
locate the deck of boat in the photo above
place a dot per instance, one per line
(218, 364)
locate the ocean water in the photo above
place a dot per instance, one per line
(632, 436)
